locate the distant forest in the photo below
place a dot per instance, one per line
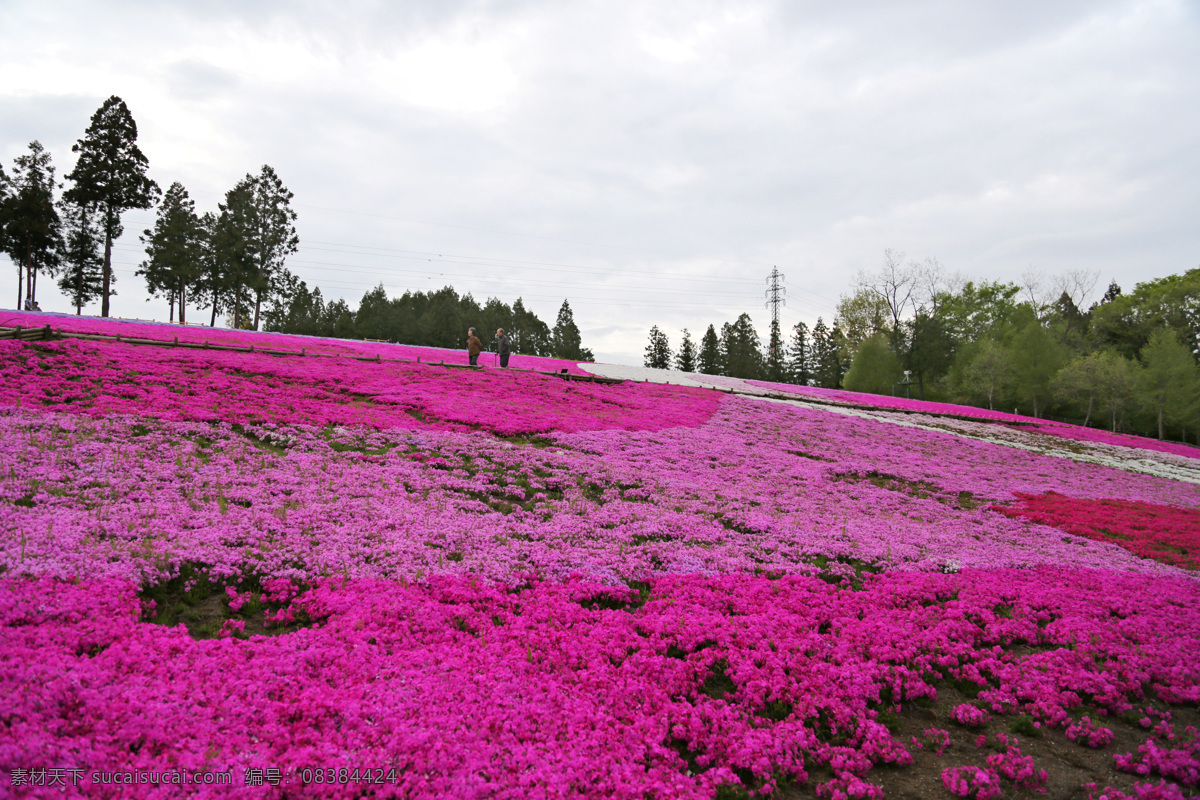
(431, 319)
(1128, 362)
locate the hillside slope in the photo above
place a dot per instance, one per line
(407, 579)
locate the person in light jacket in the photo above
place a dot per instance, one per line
(503, 346)
(474, 346)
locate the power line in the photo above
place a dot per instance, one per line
(444, 258)
(399, 254)
(483, 260)
(502, 232)
(511, 296)
(526, 264)
(328, 265)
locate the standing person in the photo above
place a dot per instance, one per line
(474, 346)
(502, 346)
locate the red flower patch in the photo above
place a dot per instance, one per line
(1164, 533)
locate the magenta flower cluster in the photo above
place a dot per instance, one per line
(974, 782)
(1089, 733)
(1180, 762)
(1012, 764)
(507, 585)
(969, 715)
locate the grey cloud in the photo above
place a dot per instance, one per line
(56, 121)
(193, 80)
(805, 135)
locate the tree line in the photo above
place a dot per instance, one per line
(811, 358)
(1129, 361)
(231, 261)
(428, 319)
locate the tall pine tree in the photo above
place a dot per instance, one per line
(110, 175)
(530, 335)
(33, 238)
(709, 360)
(658, 350)
(741, 349)
(776, 357)
(825, 358)
(212, 282)
(5, 190)
(800, 356)
(567, 342)
(685, 359)
(839, 363)
(233, 252)
(173, 250)
(275, 237)
(81, 273)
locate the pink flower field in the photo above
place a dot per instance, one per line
(238, 574)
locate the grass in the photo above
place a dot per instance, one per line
(199, 602)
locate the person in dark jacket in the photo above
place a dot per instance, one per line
(474, 346)
(503, 348)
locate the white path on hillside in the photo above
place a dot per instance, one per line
(1130, 459)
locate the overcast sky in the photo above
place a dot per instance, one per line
(649, 161)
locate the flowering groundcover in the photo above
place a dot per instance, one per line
(327, 577)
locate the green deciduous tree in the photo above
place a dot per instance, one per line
(658, 350)
(1170, 382)
(110, 175)
(927, 348)
(862, 315)
(33, 236)
(1125, 322)
(989, 370)
(1118, 389)
(1036, 356)
(979, 310)
(875, 368)
(1104, 379)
